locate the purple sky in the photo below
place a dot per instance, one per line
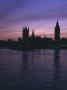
(40, 15)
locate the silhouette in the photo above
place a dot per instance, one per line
(25, 33)
(33, 35)
(57, 33)
(35, 42)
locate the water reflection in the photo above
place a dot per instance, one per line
(41, 69)
(36, 69)
(25, 58)
(25, 69)
(57, 70)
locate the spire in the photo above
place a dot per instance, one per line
(33, 32)
(33, 35)
(57, 32)
(57, 24)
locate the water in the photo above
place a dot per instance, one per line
(32, 70)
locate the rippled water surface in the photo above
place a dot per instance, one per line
(37, 69)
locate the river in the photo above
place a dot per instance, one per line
(31, 70)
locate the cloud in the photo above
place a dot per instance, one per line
(15, 12)
(27, 10)
(8, 6)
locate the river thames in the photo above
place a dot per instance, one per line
(31, 70)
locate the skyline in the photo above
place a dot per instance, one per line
(40, 15)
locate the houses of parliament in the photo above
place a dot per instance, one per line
(41, 42)
(25, 33)
(36, 42)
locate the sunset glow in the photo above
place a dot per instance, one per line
(40, 15)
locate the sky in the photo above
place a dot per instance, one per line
(40, 15)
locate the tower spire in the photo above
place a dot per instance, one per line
(57, 24)
(57, 32)
(33, 35)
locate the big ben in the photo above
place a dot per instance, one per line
(57, 33)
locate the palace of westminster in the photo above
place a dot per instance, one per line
(36, 42)
(25, 33)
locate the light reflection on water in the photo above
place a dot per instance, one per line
(37, 69)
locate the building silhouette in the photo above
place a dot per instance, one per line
(36, 42)
(33, 35)
(57, 33)
(25, 33)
